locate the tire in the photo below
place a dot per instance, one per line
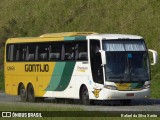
(30, 94)
(22, 93)
(85, 96)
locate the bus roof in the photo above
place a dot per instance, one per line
(66, 34)
(51, 37)
(113, 36)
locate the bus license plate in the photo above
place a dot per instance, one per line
(130, 94)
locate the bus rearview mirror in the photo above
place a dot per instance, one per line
(103, 57)
(155, 56)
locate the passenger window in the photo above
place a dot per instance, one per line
(24, 53)
(69, 51)
(43, 52)
(55, 51)
(19, 52)
(10, 49)
(31, 52)
(81, 51)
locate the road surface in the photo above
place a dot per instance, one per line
(136, 105)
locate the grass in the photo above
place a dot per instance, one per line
(21, 18)
(1, 80)
(155, 82)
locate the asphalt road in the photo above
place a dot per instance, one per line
(136, 105)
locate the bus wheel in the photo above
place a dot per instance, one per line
(85, 96)
(22, 93)
(30, 93)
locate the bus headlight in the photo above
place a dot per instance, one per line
(111, 87)
(146, 86)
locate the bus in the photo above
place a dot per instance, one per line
(78, 65)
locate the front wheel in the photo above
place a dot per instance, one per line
(85, 96)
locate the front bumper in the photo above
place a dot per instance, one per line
(119, 95)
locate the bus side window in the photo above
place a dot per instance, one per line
(43, 52)
(81, 51)
(24, 52)
(69, 51)
(31, 52)
(55, 51)
(16, 53)
(19, 52)
(9, 55)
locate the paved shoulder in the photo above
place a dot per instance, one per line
(8, 98)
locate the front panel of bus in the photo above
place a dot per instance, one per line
(126, 74)
(127, 67)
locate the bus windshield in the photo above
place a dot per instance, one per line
(127, 60)
(127, 66)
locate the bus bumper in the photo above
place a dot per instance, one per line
(119, 95)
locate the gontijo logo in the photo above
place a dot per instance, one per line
(82, 69)
(36, 68)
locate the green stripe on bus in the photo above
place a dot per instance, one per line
(56, 76)
(66, 76)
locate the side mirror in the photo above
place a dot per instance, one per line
(103, 56)
(155, 56)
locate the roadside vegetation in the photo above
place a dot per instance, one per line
(1, 81)
(22, 18)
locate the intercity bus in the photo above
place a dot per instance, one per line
(78, 65)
